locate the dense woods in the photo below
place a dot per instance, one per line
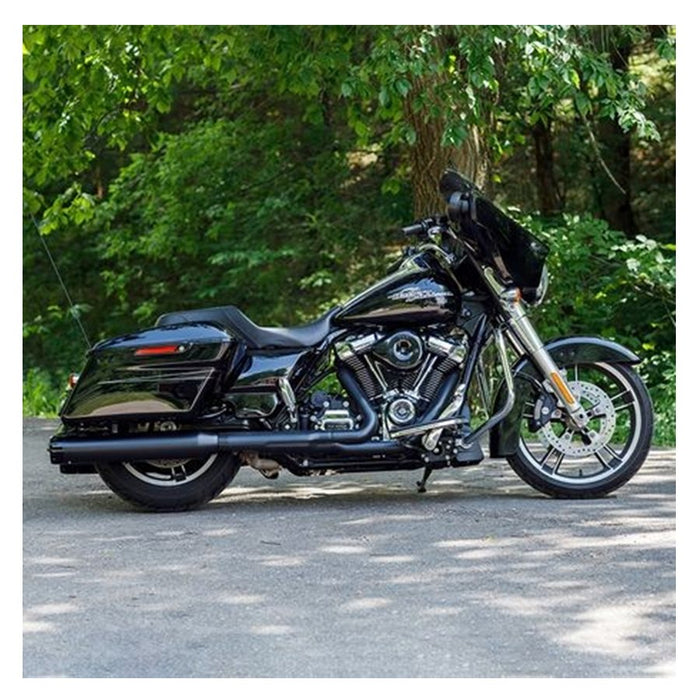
(270, 166)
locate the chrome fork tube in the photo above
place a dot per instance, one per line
(526, 336)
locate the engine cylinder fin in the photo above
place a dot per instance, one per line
(368, 383)
(435, 378)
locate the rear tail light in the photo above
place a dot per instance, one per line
(159, 350)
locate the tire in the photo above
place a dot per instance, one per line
(566, 464)
(170, 485)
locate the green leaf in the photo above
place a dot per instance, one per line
(583, 103)
(574, 77)
(403, 86)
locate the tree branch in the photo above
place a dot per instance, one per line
(599, 156)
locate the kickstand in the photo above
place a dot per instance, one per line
(421, 484)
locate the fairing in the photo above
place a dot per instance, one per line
(515, 254)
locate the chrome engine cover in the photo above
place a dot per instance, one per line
(401, 410)
(401, 372)
(402, 350)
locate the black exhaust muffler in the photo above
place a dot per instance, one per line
(175, 445)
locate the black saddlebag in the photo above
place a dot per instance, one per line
(163, 373)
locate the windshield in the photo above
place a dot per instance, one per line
(515, 254)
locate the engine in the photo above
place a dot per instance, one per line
(401, 373)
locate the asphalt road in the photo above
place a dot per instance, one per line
(354, 576)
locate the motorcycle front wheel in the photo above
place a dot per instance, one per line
(559, 460)
(170, 484)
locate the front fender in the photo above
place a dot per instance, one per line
(504, 437)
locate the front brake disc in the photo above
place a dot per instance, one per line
(599, 431)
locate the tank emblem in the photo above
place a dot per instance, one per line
(415, 294)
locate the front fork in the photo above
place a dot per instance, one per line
(522, 333)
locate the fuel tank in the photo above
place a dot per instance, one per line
(420, 293)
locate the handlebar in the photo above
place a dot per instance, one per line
(418, 229)
(423, 227)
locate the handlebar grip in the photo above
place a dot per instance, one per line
(420, 228)
(414, 229)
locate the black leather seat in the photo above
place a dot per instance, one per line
(236, 322)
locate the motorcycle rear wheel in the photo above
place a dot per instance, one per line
(563, 462)
(171, 484)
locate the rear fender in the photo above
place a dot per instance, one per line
(504, 437)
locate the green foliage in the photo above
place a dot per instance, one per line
(40, 394)
(501, 77)
(214, 217)
(603, 284)
(269, 166)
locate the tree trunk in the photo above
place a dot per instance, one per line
(547, 192)
(615, 150)
(428, 159)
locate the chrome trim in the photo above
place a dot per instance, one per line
(510, 393)
(524, 332)
(482, 382)
(454, 351)
(443, 423)
(515, 343)
(430, 441)
(396, 405)
(420, 429)
(336, 416)
(427, 368)
(377, 375)
(289, 398)
(389, 352)
(347, 349)
(445, 258)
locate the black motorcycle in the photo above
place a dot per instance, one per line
(168, 415)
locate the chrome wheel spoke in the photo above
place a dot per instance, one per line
(558, 463)
(624, 396)
(614, 461)
(179, 472)
(606, 465)
(552, 468)
(611, 452)
(547, 455)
